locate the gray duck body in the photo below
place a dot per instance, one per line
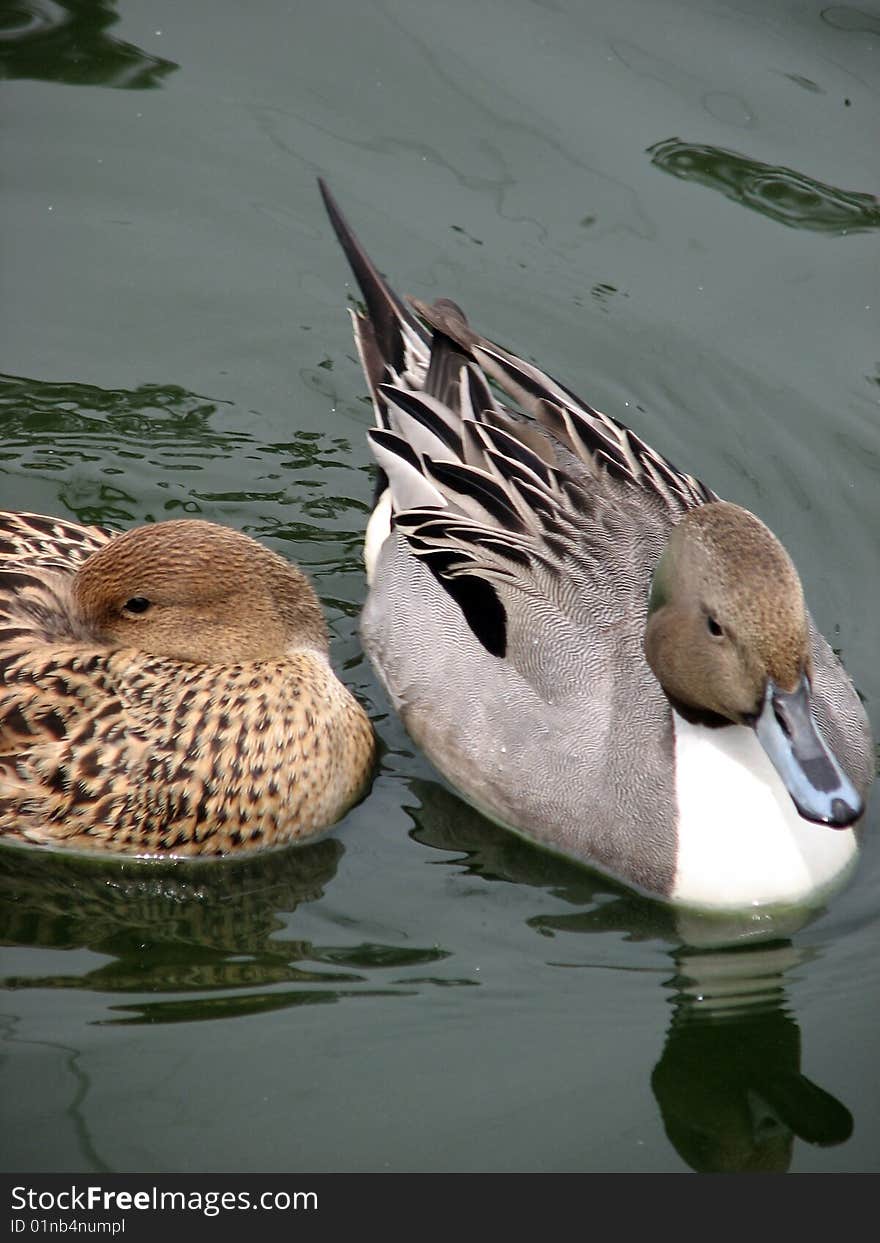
(508, 605)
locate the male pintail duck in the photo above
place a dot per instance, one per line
(594, 649)
(165, 692)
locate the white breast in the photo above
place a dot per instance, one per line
(741, 841)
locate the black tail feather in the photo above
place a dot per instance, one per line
(384, 309)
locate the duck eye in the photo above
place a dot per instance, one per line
(713, 627)
(137, 604)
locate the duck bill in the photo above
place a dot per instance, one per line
(819, 787)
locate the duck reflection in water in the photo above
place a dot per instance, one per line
(164, 928)
(189, 943)
(728, 1083)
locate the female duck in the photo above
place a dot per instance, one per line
(166, 692)
(594, 649)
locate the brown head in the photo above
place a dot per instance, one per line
(195, 591)
(726, 614)
(728, 634)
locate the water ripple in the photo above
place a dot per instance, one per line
(781, 194)
(66, 41)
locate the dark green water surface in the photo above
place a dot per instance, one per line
(671, 205)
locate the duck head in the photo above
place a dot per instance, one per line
(728, 639)
(194, 591)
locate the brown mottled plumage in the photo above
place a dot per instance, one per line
(166, 691)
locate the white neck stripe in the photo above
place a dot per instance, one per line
(741, 841)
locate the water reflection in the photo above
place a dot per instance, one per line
(845, 17)
(728, 1082)
(66, 41)
(216, 930)
(123, 456)
(781, 194)
(100, 444)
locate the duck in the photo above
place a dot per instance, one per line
(167, 692)
(593, 648)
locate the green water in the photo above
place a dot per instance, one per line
(670, 204)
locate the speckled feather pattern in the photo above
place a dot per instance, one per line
(123, 751)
